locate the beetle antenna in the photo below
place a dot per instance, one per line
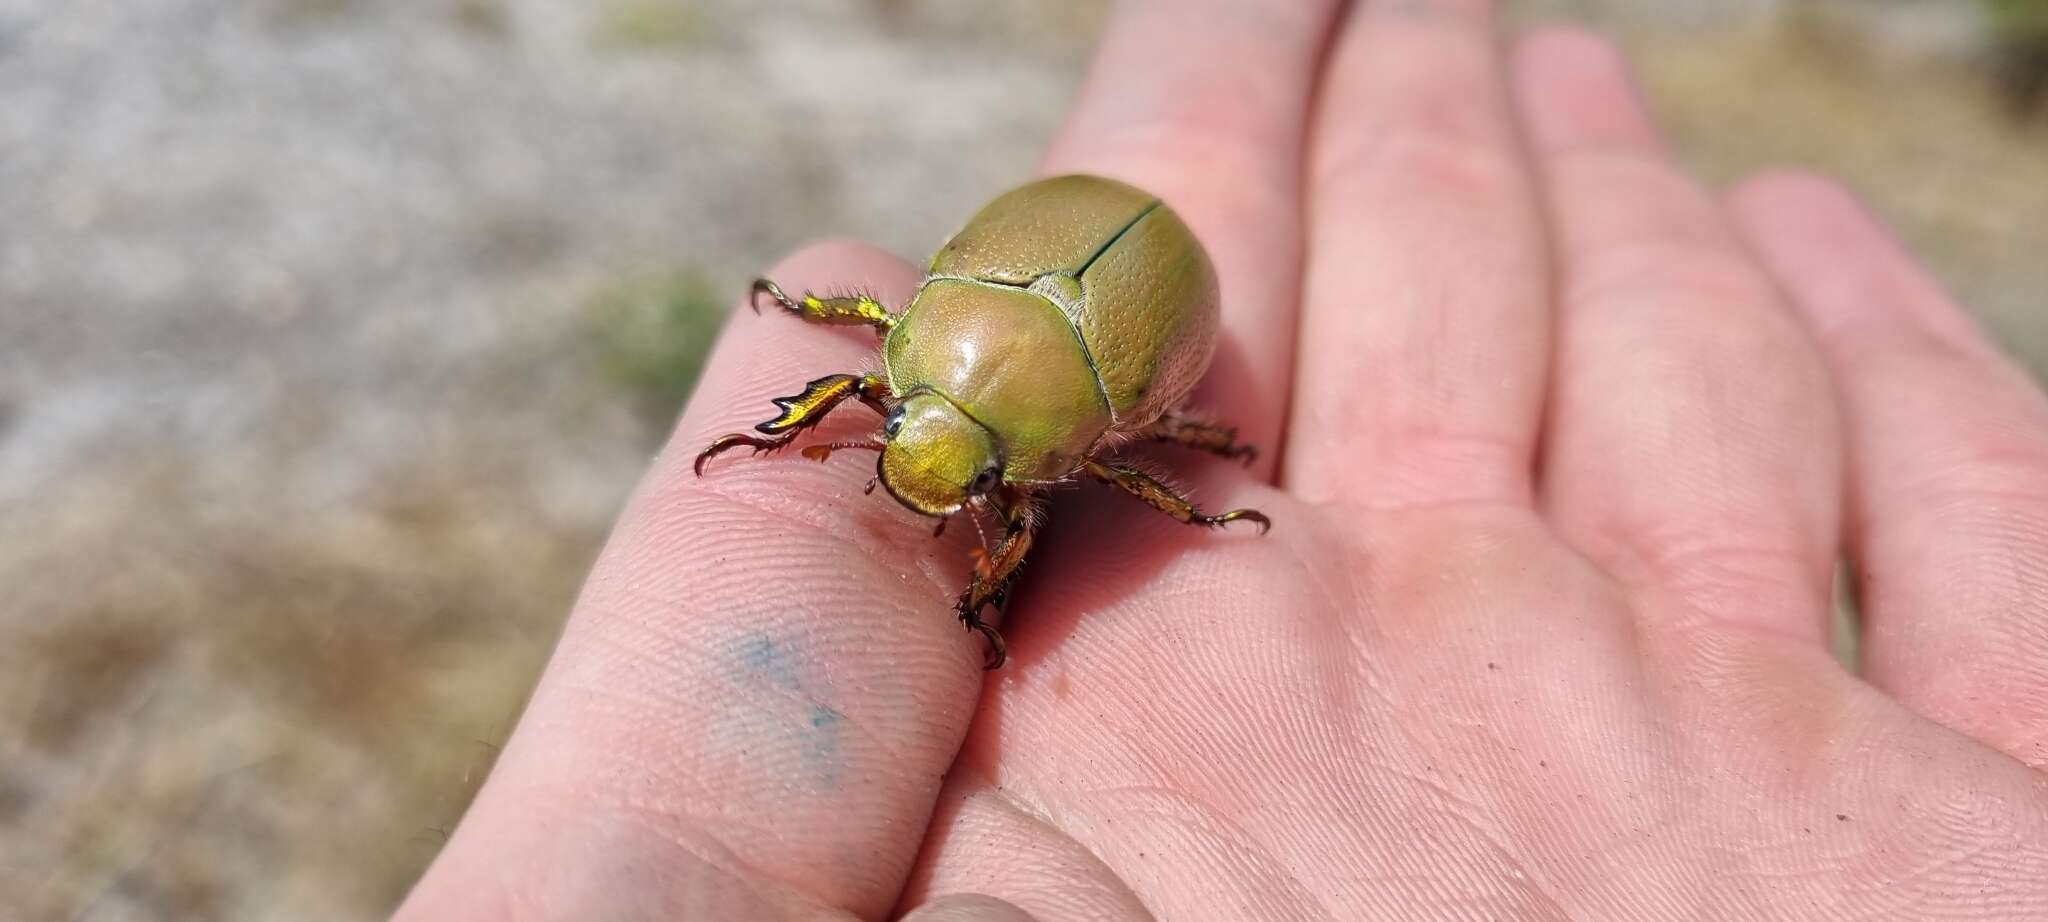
(823, 450)
(980, 503)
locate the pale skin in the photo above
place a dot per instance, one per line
(1560, 450)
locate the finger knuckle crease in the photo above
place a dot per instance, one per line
(1663, 272)
(1440, 164)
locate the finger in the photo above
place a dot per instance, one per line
(761, 686)
(1948, 450)
(983, 842)
(1692, 446)
(968, 908)
(1204, 103)
(1425, 332)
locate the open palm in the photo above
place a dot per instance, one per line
(1561, 453)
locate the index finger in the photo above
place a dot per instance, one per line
(751, 709)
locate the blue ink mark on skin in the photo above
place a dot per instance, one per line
(760, 655)
(822, 749)
(814, 730)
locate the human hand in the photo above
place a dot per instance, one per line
(1561, 452)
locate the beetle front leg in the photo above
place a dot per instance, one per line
(1163, 498)
(994, 570)
(802, 412)
(1202, 436)
(851, 310)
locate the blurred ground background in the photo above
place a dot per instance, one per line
(333, 332)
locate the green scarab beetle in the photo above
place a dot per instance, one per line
(1070, 316)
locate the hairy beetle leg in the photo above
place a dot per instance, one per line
(995, 569)
(733, 440)
(852, 310)
(1189, 432)
(803, 411)
(1161, 497)
(998, 651)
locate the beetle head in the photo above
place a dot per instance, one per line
(937, 456)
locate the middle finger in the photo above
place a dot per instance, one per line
(1204, 103)
(1425, 334)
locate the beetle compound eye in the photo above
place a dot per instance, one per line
(893, 423)
(985, 481)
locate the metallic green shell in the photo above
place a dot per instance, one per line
(1053, 226)
(1008, 358)
(1146, 303)
(1136, 292)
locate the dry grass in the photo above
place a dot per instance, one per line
(223, 716)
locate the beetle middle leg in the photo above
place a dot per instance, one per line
(1194, 433)
(994, 571)
(850, 310)
(802, 412)
(1163, 498)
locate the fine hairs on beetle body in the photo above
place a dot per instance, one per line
(1070, 316)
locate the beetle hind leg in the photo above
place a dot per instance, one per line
(1192, 432)
(1163, 498)
(801, 412)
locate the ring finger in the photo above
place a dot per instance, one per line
(1692, 449)
(1425, 334)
